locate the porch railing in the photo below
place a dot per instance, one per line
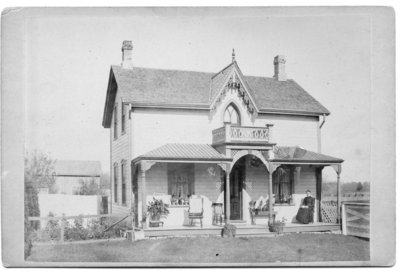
(231, 133)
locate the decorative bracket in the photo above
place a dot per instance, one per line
(225, 167)
(273, 167)
(337, 168)
(146, 165)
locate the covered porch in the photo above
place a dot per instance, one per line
(174, 172)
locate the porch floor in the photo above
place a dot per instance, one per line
(242, 230)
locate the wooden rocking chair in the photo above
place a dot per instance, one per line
(196, 209)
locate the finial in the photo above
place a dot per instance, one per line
(233, 55)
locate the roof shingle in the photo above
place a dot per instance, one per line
(190, 88)
(78, 168)
(298, 154)
(184, 151)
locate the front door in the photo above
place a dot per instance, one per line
(236, 186)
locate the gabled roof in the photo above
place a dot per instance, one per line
(298, 154)
(197, 90)
(187, 152)
(78, 168)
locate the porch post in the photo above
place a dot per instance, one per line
(143, 192)
(271, 170)
(227, 195)
(318, 175)
(296, 178)
(338, 169)
(144, 166)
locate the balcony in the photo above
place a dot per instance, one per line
(238, 134)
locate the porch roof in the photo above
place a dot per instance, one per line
(184, 152)
(301, 155)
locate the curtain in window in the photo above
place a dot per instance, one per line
(282, 185)
(180, 180)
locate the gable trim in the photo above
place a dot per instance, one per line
(236, 73)
(240, 75)
(112, 88)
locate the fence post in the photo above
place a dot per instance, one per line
(344, 219)
(62, 228)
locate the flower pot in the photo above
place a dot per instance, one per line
(278, 228)
(155, 217)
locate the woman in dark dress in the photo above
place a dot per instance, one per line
(305, 214)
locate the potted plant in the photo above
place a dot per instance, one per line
(277, 226)
(156, 209)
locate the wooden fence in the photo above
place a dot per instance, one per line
(63, 217)
(356, 219)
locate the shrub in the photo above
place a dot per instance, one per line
(95, 229)
(31, 208)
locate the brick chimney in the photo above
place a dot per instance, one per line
(279, 67)
(127, 47)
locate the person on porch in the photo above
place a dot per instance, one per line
(305, 214)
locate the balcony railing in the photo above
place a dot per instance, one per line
(230, 133)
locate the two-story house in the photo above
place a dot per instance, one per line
(227, 137)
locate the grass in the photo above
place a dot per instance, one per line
(286, 248)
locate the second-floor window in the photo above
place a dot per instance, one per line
(115, 182)
(115, 122)
(122, 118)
(123, 181)
(231, 115)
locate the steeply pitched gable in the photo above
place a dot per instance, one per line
(146, 87)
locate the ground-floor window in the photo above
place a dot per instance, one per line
(123, 181)
(115, 182)
(282, 185)
(180, 182)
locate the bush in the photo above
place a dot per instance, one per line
(78, 231)
(31, 208)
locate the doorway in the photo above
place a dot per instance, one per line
(236, 189)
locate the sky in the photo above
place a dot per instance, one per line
(69, 52)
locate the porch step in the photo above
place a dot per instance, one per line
(237, 222)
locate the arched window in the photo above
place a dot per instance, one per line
(231, 115)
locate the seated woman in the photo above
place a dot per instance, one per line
(305, 214)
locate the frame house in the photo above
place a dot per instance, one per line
(224, 136)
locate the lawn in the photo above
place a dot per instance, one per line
(286, 248)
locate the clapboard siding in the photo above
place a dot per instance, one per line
(204, 183)
(256, 181)
(308, 181)
(208, 181)
(290, 130)
(154, 128)
(157, 179)
(120, 210)
(119, 152)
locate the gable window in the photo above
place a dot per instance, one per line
(282, 185)
(115, 182)
(231, 115)
(122, 118)
(123, 181)
(115, 122)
